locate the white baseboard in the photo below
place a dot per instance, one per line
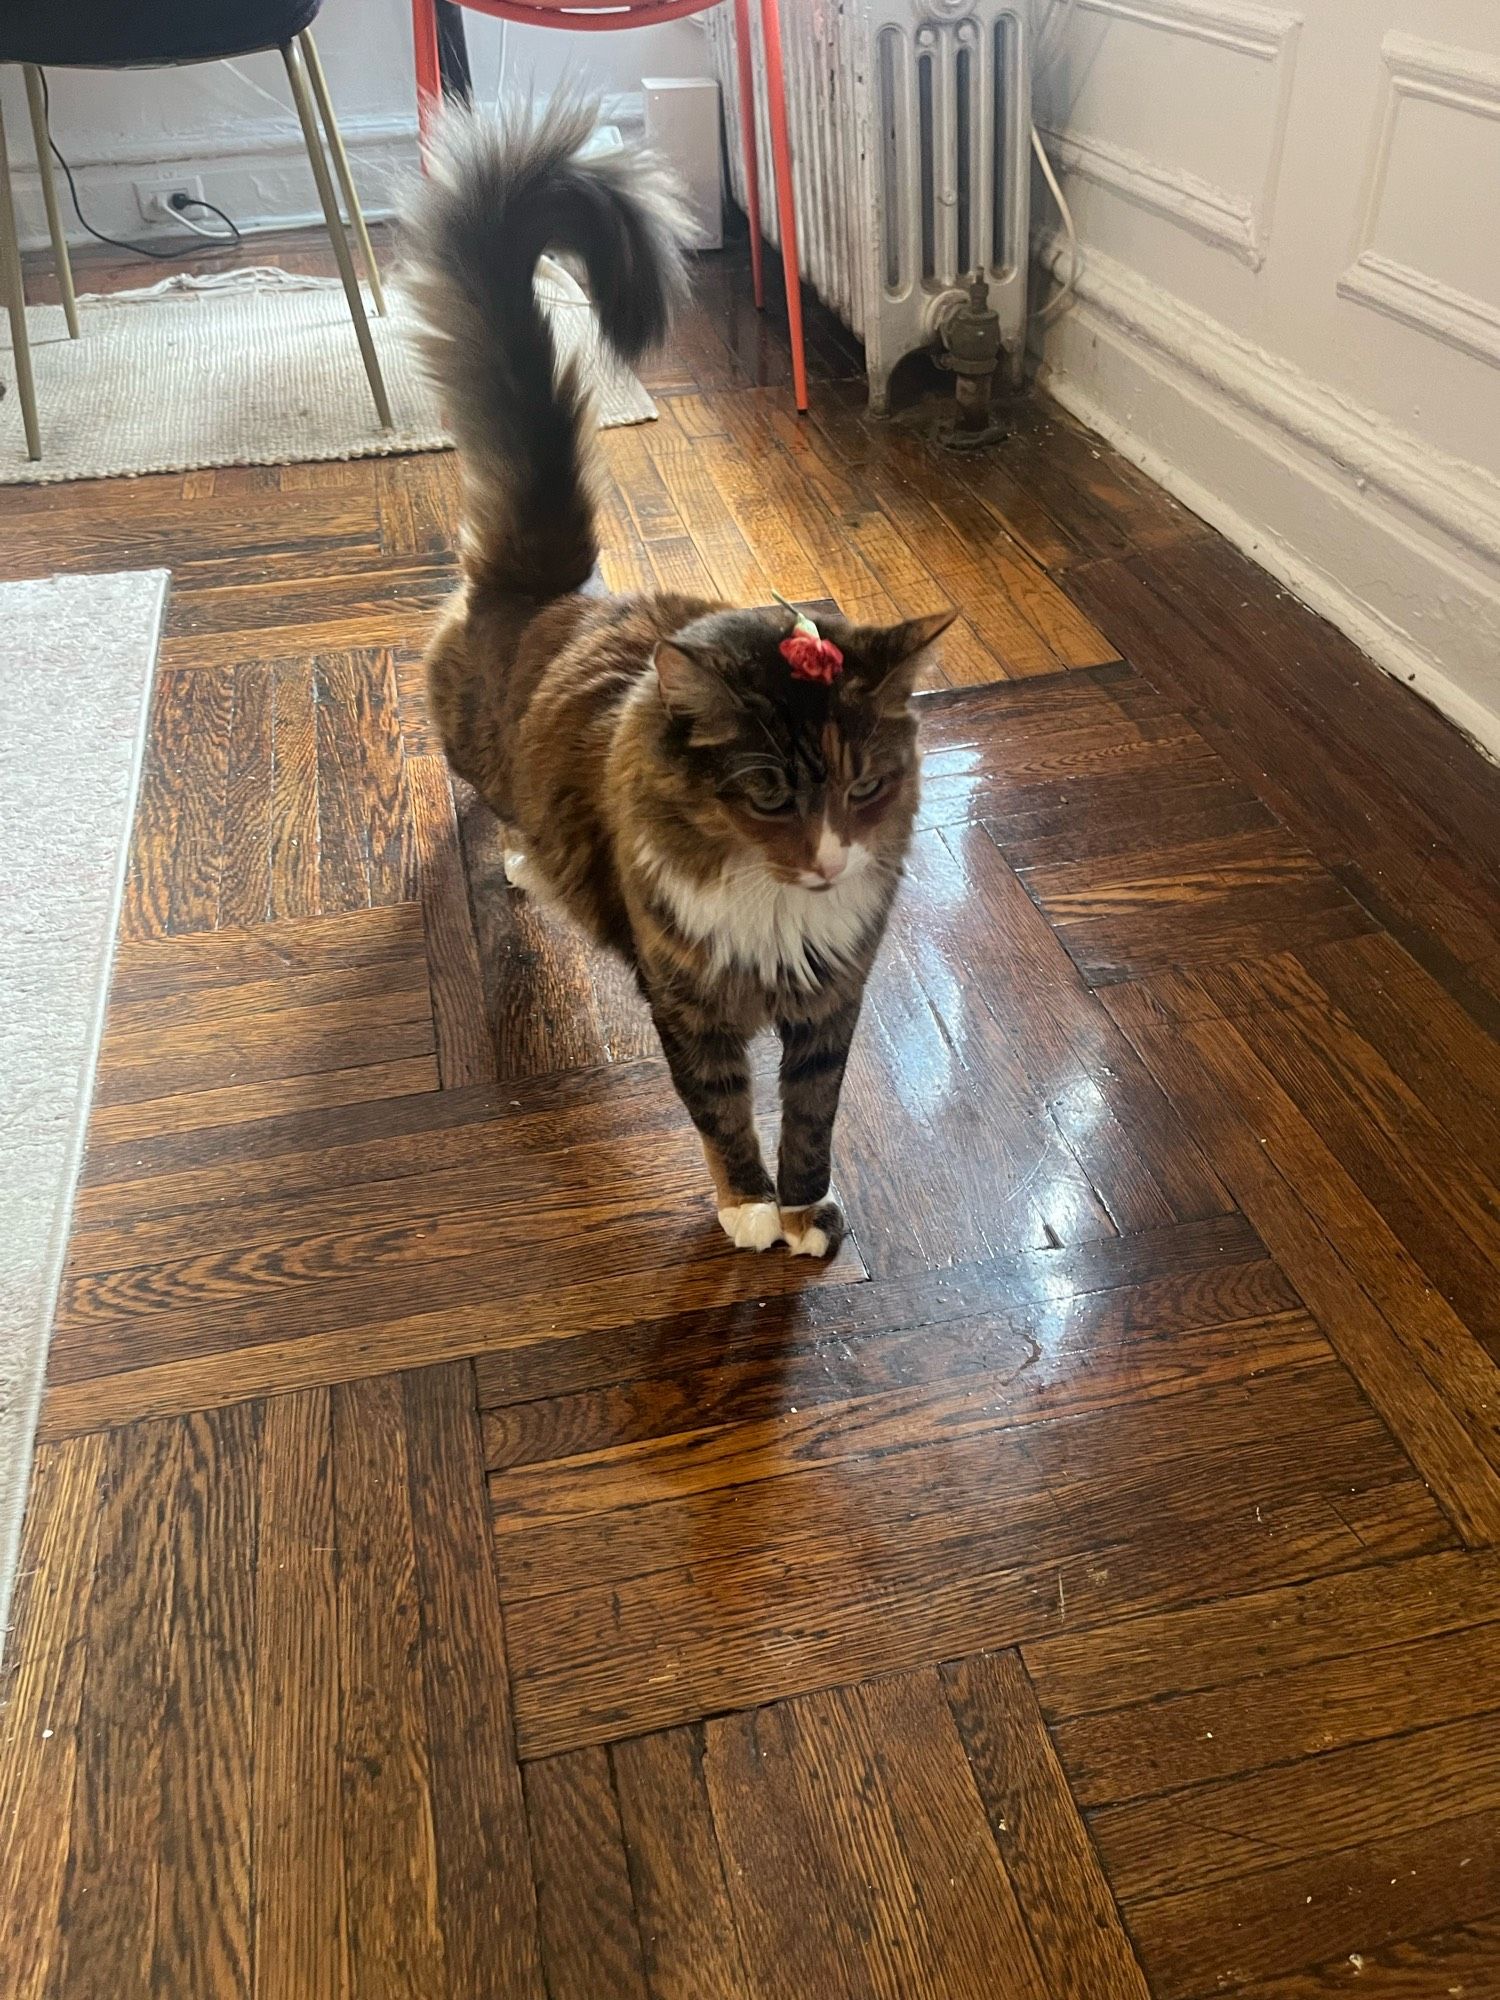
(1393, 542)
(258, 174)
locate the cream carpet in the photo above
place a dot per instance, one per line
(76, 659)
(253, 367)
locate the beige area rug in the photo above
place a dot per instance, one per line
(76, 660)
(255, 367)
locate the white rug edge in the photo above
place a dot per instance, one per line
(15, 1473)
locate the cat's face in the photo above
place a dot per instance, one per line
(813, 780)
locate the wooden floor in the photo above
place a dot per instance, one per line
(452, 1571)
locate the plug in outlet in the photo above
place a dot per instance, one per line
(154, 198)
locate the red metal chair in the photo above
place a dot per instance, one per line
(645, 14)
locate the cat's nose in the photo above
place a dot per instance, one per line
(831, 859)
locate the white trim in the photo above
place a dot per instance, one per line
(1252, 31)
(1238, 223)
(1300, 478)
(1418, 299)
(1463, 80)
(1213, 213)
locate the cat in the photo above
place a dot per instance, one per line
(724, 796)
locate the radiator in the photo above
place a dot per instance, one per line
(910, 124)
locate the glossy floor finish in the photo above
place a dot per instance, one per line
(452, 1570)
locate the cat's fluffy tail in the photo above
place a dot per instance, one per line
(498, 194)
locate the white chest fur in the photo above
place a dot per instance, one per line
(748, 919)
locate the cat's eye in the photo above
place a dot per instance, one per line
(865, 788)
(772, 802)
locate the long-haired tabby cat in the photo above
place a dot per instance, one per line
(724, 800)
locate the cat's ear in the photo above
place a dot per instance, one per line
(897, 653)
(692, 688)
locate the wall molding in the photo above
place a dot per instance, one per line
(1240, 224)
(1417, 299)
(1396, 542)
(1253, 31)
(1214, 213)
(1462, 80)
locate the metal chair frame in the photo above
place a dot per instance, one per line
(311, 96)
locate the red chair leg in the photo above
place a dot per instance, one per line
(744, 49)
(786, 211)
(429, 69)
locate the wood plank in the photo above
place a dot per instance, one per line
(812, 1370)
(992, 1387)
(395, 1936)
(199, 743)
(1179, 1652)
(245, 870)
(590, 1942)
(1344, 1798)
(465, 1050)
(1211, 1272)
(1280, 1716)
(241, 623)
(1419, 888)
(541, 1555)
(1083, 1947)
(1464, 1959)
(195, 1055)
(417, 497)
(146, 904)
(1351, 1903)
(109, 1905)
(203, 1902)
(1424, 1371)
(151, 968)
(1432, 1197)
(297, 1837)
(296, 865)
(1141, 1162)
(488, 1909)
(981, 1168)
(878, 1592)
(131, 1125)
(911, 1896)
(1442, 1055)
(43, 1696)
(688, 1935)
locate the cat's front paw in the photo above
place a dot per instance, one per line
(752, 1225)
(813, 1232)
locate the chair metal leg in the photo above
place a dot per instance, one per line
(36, 99)
(296, 72)
(335, 140)
(15, 302)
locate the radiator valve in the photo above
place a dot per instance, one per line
(970, 336)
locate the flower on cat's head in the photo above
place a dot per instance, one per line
(810, 656)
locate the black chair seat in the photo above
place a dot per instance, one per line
(126, 34)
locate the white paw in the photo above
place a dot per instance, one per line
(811, 1243)
(754, 1225)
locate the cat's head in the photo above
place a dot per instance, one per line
(814, 777)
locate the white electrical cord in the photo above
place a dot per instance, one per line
(1048, 42)
(210, 235)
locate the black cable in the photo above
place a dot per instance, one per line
(138, 249)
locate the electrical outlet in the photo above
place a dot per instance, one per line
(154, 198)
